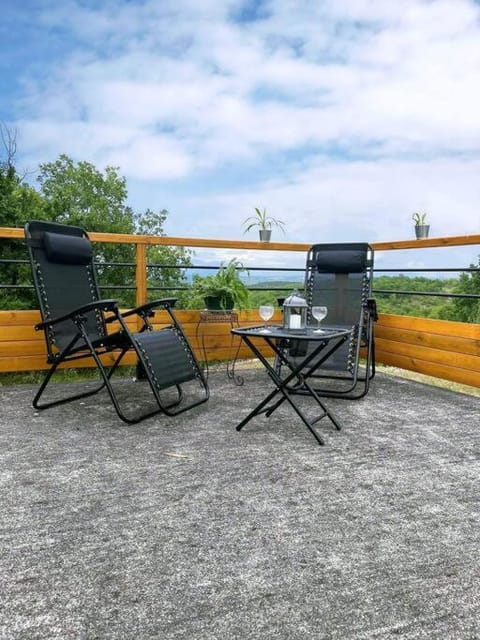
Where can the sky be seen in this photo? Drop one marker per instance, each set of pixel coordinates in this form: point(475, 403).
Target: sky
point(341, 117)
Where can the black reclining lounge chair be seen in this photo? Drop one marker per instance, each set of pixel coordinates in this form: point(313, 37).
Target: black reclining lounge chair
point(339, 276)
point(75, 323)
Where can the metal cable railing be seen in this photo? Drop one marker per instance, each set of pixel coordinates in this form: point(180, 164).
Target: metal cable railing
point(186, 286)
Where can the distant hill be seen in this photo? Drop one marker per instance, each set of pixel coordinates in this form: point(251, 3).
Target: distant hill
point(276, 284)
point(398, 294)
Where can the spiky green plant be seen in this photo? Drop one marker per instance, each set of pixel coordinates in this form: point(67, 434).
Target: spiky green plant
point(262, 221)
point(419, 218)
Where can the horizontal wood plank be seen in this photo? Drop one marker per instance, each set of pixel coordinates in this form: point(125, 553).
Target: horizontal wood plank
point(427, 354)
point(450, 241)
point(123, 238)
point(430, 325)
point(19, 333)
point(448, 343)
point(450, 349)
point(175, 241)
point(445, 372)
point(439, 348)
point(36, 363)
point(30, 347)
point(15, 318)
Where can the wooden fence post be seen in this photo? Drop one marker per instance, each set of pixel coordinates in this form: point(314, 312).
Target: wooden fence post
point(140, 276)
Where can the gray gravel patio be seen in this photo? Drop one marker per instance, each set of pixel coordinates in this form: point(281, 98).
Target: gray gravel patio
point(184, 528)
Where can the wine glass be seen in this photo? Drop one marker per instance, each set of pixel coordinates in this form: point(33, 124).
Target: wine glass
point(266, 312)
point(319, 313)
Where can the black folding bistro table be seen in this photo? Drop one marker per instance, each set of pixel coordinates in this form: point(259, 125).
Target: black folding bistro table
point(296, 374)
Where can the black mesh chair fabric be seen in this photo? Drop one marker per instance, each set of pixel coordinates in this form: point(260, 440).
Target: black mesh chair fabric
point(339, 276)
point(64, 285)
point(167, 357)
point(75, 321)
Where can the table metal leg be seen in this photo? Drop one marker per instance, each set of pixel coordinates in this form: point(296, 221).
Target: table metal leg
point(231, 375)
point(303, 373)
point(282, 387)
point(200, 339)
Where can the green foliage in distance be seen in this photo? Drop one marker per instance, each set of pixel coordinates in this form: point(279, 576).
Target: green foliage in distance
point(413, 305)
point(17, 200)
point(468, 310)
point(442, 308)
point(174, 260)
point(263, 294)
point(77, 193)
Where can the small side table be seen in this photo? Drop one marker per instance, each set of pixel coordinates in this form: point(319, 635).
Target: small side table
point(323, 345)
point(206, 317)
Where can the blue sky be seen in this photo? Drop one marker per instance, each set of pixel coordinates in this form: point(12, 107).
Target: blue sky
point(341, 117)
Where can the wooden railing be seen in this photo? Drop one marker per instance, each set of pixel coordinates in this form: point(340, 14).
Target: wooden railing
point(438, 348)
point(449, 350)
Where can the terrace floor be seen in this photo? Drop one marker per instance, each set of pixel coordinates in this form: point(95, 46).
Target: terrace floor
point(184, 528)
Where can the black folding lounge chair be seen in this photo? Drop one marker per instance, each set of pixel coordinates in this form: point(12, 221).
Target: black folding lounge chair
point(75, 321)
point(339, 276)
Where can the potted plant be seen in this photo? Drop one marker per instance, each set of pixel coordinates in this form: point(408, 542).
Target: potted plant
point(222, 291)
point(264, 224)
point(421, 228)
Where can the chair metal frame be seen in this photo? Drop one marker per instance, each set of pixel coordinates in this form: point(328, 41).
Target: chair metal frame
point(82, 332)
point(347, 269)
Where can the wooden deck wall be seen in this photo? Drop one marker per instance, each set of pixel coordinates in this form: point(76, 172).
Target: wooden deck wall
point(23, 349)
point(439, 348)
point(448, 350)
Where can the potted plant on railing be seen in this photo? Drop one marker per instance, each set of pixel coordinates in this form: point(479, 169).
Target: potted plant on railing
point(421, 227)
point(222, 291)
point(264, 224)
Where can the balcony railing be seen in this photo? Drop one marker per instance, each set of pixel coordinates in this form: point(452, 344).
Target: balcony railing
point(444, 349)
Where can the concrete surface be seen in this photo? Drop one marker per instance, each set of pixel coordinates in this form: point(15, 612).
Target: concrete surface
point(184, 528)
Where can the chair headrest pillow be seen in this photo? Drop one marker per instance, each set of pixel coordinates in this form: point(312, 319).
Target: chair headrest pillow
point(339, 261)
point(67, 249)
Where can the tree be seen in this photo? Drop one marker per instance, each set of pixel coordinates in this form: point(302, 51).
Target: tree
point(18, 203)
point(468, 309)
point(78, 193)
point(171, 276)
point(8, 138)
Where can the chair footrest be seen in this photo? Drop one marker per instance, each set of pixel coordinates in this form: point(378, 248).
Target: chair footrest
point(166, 356)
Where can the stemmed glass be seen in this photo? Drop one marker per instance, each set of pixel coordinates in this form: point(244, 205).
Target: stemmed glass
point(266, 312)
point(319, 313)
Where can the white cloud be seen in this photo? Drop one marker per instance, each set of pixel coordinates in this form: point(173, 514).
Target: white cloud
point(176, 91)
point(362, 200)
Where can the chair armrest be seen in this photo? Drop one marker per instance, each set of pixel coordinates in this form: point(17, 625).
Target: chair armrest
point(101, 305)
point(147, 308)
